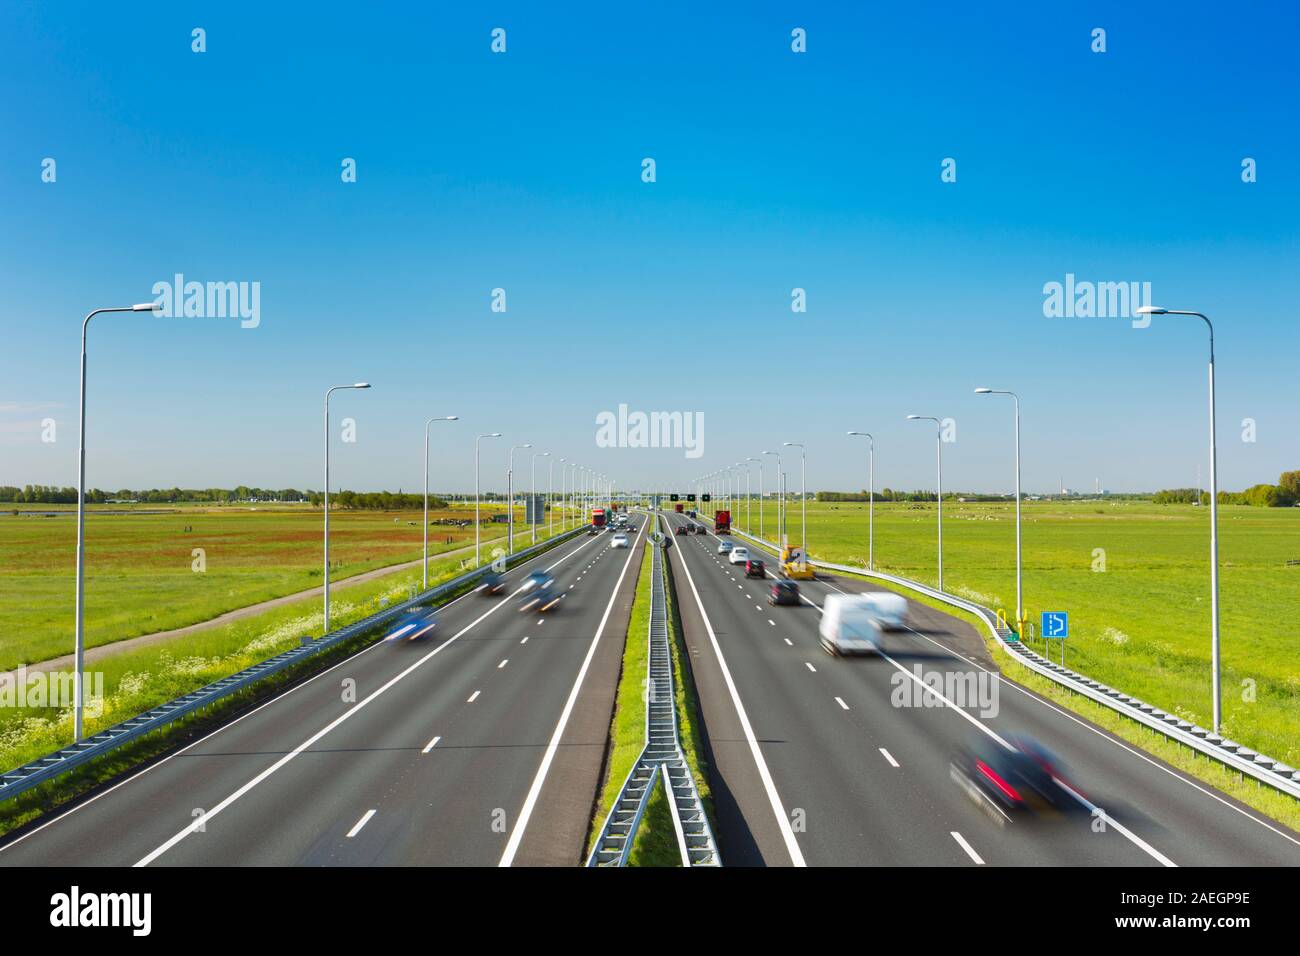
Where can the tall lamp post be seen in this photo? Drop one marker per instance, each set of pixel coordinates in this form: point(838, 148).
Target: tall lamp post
point(871, 499)
point(328, 392)
point(760, 496)
point(938, 453)
point(533, 468)
point(803, 493)
point(510, 497)
point(478, 558)
point(1215, 680)
point(445, 418)
point(78, 678)
point(780, 501)
point(1020, 613)
point(550, 496)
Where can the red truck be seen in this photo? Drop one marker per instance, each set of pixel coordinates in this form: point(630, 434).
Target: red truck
point(722, 522)
point(598, 517)
point(678, 508)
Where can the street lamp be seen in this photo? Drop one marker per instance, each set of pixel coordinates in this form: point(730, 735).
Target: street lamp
point(510, 498)
point(550, 494)
point(477, 548)
point(780, 501)
point(445, 418)
point(803, 493)
point(328, 391)
point(1216, 685)
point(533, 467)
point(1020, 613)
point(938, 452)
point(760, 498)
point(80, 632)
point(871, 500)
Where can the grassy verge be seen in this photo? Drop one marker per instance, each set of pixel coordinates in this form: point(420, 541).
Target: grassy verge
point(140, 680)
point(627, 729)
point(1272, 803)
point(656, 841)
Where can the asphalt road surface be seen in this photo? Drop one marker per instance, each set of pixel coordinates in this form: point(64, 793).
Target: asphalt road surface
point(479, 743)
point(822, 760)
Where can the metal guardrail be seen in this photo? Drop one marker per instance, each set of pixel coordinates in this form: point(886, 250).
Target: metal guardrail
point(44, 769)
point(1231, 754)
point(662, 757)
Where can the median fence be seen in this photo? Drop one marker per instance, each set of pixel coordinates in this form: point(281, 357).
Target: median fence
point(1264, 769)
point(47, 768)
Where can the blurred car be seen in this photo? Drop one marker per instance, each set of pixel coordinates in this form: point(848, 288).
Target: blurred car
point(724, 546)
point(414, 627)
point(890, 609)
point(738, 555)
point(542, 597)
point(700, 529)
point(783, 591)
point(1011, 783)
point(848, 626)
point(681, 529)
point(593, 529)
point(755, 568)
point(493, 583)
point(620, 541)
point(534, 580)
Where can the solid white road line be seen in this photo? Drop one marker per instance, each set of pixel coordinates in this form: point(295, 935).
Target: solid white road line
point(473, 697)
point(890, 757)
point(530, 801)
point(365, 818)
point(970, 850)
point(782, 819)
point(430, 745)
point(347, 714)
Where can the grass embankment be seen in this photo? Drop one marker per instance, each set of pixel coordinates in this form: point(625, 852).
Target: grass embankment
point(656, 840)
point(141, 574)
point(1143, 623)
point(139, 680)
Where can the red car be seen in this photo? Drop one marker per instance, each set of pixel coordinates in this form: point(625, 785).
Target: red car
point(754, 568)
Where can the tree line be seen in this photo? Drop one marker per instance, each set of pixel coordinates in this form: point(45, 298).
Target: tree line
point(1284, 494)
point(362, 500)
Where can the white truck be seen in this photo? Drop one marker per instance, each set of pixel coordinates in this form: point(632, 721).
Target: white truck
point(849, 625)
point(890, 609)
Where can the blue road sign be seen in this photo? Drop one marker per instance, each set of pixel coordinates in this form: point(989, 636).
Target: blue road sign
point(1056, 625)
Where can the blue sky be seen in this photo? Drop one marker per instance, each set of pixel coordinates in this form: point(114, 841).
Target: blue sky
point(775, 170)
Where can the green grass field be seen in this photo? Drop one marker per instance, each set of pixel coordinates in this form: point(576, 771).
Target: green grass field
point(1142, 624)
point(140, 575)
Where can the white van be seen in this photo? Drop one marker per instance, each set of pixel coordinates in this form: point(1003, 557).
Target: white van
point(849, 625)
point(890, 609)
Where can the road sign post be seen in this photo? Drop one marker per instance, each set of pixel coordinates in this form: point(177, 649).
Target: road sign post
point(1056, 627)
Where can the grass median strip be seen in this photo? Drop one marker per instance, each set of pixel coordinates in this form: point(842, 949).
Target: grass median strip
point(656, 841)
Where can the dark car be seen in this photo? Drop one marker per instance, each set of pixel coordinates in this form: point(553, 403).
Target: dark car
point(681, 529)
point(783, 592)
point(593, 529)
point(700, 529)
point(754, 568)
point(1010, 783)
point(493, 583)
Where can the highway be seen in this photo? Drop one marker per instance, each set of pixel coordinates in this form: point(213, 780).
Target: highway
point(481, 743)
point(834, 761)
